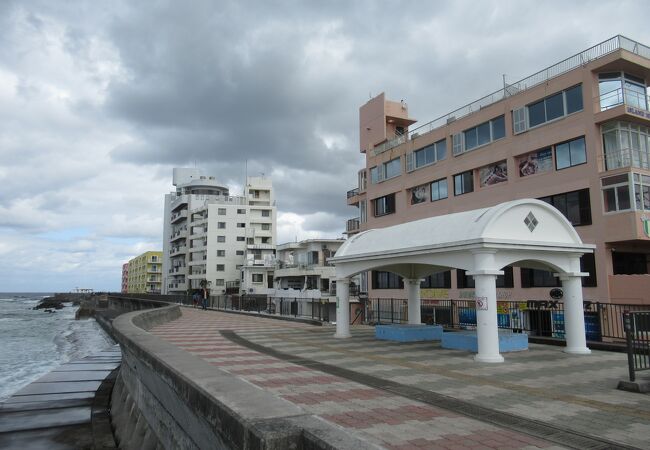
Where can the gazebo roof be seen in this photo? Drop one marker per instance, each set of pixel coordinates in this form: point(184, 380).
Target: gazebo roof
point(525, 222)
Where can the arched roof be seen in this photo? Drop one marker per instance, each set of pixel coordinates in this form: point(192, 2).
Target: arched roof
point(527, 224)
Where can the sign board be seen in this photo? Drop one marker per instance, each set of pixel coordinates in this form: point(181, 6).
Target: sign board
point(481, 303)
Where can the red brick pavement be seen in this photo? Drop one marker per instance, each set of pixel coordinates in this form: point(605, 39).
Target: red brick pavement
point(374, 415)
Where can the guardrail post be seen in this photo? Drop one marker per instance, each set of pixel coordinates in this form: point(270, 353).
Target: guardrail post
point(627, 324)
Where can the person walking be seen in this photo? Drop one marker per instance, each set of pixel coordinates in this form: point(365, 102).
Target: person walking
point(204, 302)
point(195, 299)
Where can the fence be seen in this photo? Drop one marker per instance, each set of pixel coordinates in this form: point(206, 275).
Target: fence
point(535, 317)
point(637, 332)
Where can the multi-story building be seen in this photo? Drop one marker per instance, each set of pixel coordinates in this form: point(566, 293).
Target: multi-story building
point(125, 278)
point(576, 135)
point(145, 273)
point(210, 236)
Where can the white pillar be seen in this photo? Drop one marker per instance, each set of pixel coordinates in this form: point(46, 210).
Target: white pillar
point(574, 316)
point(413, 288)
point(487, 330)
point(342, 308)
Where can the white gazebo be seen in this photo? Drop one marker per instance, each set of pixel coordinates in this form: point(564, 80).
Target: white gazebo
point(524, 233)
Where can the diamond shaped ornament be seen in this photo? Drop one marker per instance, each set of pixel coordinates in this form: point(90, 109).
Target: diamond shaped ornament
point(531, 221)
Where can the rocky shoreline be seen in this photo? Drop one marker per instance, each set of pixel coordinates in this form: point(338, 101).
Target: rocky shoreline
point(50, 304)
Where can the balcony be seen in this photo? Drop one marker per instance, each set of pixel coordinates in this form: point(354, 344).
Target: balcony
point(176, 236)
point(260, 246)
point(178, 270)
point(627, 157)
point(353, 197)
point(175, 251)
point(177, 217)
point(623, 96)
point(177, 286)
point(352, 226)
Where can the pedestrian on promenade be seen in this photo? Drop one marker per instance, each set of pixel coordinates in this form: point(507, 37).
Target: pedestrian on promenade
point(195, 299)
point(204, 302)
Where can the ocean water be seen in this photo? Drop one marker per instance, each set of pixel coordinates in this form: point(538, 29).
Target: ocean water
point(33, 342)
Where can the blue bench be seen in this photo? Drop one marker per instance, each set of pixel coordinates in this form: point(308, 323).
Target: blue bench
point(468, 341)
point(408, 333)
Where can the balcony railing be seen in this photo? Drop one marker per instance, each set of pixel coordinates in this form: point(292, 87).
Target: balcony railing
point(353, 192)
point(597, 51)
point(627, 157)
point(179, 215)
point(352, 225)
point(622, 96)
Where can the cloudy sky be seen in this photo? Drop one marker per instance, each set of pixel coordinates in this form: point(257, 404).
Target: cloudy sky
point(99, 100)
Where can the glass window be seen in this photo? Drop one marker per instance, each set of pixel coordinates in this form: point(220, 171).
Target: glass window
point(219, 282)
point(221, 267)
point(384, 205)
point(573, 99)
point(221, 238)
point(538, 278)
point(464, 183)
point(241, 225)
point(536, 114)
point(498, 128)
point(266, 226)
point(221, 253)
point(629, 263)
point(471, 139)
point(616, 193)
point(554, 107)
point(221, 225)
point(569, 154)
point(425, 156)
point(483, 132)
point(464, 281)
point(221, 211)
point(392, 168)
point(239, 252)
point(386, 280)
point(588, 264)
point(374, 175)
point(441, 150)
point(440, 280)
point(266, 213)
point(240, 238)
point(241, 211)
point(257, 277)
point(439, 190)
point(575, 206)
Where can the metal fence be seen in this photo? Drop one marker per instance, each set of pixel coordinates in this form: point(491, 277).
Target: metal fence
point(535, 317)
point(637, 332)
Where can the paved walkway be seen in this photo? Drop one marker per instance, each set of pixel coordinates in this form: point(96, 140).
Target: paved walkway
point(417, 395)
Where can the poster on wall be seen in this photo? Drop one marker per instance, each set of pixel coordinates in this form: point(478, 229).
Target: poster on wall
point(418, 194)
point(536, 162)
point(493, 174)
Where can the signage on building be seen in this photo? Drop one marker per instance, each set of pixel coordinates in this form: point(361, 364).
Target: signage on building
point(646, 225)
point(481, 303)
point(638, 112)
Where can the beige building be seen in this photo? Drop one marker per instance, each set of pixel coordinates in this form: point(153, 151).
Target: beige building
point(145, 273)
point(576, 135)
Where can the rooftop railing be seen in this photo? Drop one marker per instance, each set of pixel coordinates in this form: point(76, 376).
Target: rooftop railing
point(597, 51)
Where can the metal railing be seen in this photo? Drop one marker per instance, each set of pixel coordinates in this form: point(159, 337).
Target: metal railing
point(637, 333)
point(597, 51)
point(353, 192)
point(352, 224)
point(534, 317)
point(627, 157)
point(622, 96)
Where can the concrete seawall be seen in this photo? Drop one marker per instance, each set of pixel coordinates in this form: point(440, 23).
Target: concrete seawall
point(165, 397)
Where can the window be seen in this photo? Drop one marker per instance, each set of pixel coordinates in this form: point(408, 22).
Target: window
point(266, 226)
point(479, 135)
point(384, 205)
point(616, 193)
point(250, 241)
point(440, 280)
point(386, 280)
point(588, 264)
point(538, 278)
point(219, 282)
point(385, 171)
point(464, 281)
point(241, 225)
point(569, 154)
point(493, 174)
point(618, 87)
point(548, 109)
point(418, 194)
point(239, 252)
point(464, 183)
point(266, 213)
point(221, 253)
point(221, 225)
point(439, 190)
point(626, 144)
point(241, 238)
point(625, 263)
point(221, 211)
point(575, 206)
point(221, 267)
point(427, 155)
point(257, 277)
point(221, 238)
point(241, 211)
point(507, 279)
point(641, 191)
point(265, 240)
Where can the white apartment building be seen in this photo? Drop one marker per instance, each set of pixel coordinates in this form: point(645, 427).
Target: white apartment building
point(210, 235)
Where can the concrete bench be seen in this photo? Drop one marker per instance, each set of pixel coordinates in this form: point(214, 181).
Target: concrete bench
point(408, 333)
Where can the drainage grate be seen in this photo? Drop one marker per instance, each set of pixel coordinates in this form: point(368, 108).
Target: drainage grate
point(551, 433)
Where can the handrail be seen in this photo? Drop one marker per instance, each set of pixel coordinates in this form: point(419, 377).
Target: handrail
point(617, 42)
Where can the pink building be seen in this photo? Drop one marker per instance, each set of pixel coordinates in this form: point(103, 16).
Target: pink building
point(125, 278)
point(576, 135)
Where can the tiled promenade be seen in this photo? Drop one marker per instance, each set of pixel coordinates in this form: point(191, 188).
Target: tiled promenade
point(390, 394)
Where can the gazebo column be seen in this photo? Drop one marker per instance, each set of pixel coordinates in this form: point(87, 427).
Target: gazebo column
point(342, 308)
point(487, 329)
point(574, 316)
point(413, 288)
